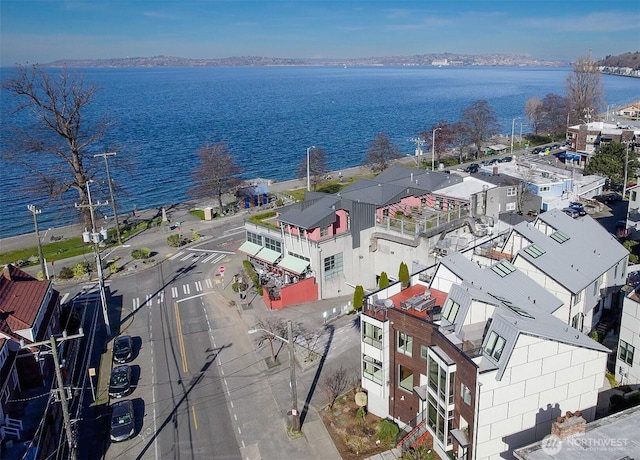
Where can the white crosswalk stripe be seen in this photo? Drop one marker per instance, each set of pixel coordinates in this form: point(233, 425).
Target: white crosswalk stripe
point(188, 256)
point(136, 303)
point(209, 283)
point(149, 299)
point(186, 289)
point(217, 259)
point(198, 286)
point(176, 255)
point(160, 297)
point(208, 258)
point(174, 292)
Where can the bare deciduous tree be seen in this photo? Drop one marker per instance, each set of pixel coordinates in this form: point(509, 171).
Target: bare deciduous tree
point(55, 143)
point(217, 172)
point(445, 137)
point(532, 109)
point(334, 383)
point(554, 111)
point(584, 90)
point(480, 123)
point(267, 330)
point(309, 338)
point(317, 167)
point(380, 153)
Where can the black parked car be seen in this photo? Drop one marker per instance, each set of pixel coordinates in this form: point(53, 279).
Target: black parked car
point(120, 383)
point(123, 421)
point(472, 168)
point(123, 349)
point(507, 159)
point(608, 197)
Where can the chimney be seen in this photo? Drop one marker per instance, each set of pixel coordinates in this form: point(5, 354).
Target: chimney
point(568, 425)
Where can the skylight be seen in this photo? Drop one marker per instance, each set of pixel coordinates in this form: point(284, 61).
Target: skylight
point(514, 308)
point(503, 268)
point(559, 237)
point(534, 251)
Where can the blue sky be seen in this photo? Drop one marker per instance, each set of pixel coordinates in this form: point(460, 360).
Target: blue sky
point(43, 31)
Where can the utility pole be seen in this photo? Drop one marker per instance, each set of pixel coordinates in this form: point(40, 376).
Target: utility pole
point(35, 211)
point(113, 200)
point(94, 237)
point(295, 414)
point(52, 343)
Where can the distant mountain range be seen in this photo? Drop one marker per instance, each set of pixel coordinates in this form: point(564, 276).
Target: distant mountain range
point(437, 60)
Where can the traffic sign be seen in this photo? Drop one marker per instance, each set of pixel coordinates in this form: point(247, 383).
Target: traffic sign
point(221, 270)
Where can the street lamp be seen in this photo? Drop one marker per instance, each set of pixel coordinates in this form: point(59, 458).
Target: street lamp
point(308, 172)
point(292, 369)
point(433, 148)
point(513, 127)
point(35, 211)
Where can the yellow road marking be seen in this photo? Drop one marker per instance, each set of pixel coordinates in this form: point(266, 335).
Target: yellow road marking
point(195, 419)
point(185, 367)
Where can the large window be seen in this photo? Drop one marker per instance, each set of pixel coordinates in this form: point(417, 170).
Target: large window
point(405, 343)
point(272, 244)
point(626, 352)
point(511, 191)
point(372, 334)
point(333, 266)
point(324, 231)
point(372, 369)
point(405, 378)
point(494, 346)
point(450, 310)
point(254, 238)
point(465, 392)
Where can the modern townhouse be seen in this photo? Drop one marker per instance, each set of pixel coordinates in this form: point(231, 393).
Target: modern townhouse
point(29, 312)
point(627, 368)
point(476, 358)
point(576, 260)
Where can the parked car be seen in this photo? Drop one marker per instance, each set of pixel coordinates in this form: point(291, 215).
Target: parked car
point(123, 421)
point(536, 150)
point(120, 382)
point(578, 207)
point(123, 349)
point(633, 279)
point(472, 168)
point(608, 197)
point(507, 159)
point(571, 212)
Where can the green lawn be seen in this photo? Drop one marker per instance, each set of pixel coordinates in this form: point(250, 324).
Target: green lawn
point(58, 250)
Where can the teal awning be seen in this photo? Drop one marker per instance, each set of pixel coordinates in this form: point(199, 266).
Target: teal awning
point(268, 255)
point(293, 264)
point(250, 248)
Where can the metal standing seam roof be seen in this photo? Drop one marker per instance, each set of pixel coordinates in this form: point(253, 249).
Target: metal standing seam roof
point(525, 310)
point(320, 211)
point(369, 191)
point(588, 253)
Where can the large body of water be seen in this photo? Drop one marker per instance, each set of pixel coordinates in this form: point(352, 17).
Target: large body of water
point(269, 116)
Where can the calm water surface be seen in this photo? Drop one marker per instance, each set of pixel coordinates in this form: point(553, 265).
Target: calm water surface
point(269, 116)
